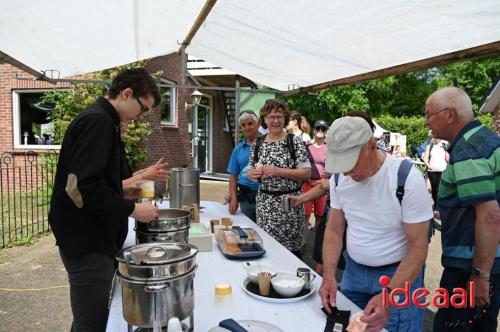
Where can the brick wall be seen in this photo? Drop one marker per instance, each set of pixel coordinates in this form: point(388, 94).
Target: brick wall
point(9, 83)
point(174, 142)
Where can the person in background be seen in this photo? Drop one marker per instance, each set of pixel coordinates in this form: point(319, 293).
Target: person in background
point(242, 190)
point(298, 127)
point(435, 159)
point(279, 161)
point(317, 158)
point(468, 202)
point(87, 205)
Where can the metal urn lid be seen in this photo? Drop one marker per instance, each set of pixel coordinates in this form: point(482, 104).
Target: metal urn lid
point(157, 253)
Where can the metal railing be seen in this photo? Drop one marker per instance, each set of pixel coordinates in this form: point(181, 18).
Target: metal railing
point(26, 183)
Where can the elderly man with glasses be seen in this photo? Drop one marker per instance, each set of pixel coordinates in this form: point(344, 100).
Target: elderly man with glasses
point(468, 202)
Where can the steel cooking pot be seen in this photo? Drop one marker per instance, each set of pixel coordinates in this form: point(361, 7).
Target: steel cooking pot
point(184, 186)
point(146, 303)
point(156, 261)
point(169, 220)
point(181, 236)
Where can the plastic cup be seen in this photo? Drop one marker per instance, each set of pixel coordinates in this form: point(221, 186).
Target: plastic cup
point(147, 189)
point(264, 279)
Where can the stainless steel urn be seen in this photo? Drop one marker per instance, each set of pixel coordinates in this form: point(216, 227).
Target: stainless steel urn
point(157, 282)
point(184, 187)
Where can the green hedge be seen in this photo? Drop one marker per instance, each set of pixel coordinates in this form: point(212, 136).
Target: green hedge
point(415, 129)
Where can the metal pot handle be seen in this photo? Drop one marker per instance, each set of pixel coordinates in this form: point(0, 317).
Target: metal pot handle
point(187, 184)
point(155, 288)
point(148, 253)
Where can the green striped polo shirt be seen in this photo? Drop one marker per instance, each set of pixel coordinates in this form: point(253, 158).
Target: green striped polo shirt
point(472, 176)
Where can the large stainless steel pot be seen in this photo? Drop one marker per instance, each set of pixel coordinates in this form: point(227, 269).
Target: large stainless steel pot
point(156, 261)
point(146, 304)
point(169, 220)
point(184, 187)
point(178, 236)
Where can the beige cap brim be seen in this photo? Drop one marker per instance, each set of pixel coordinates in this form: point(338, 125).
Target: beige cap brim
point(341, 162)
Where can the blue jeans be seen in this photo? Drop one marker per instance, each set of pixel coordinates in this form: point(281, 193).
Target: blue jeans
point(359, 284)
point(248, 209)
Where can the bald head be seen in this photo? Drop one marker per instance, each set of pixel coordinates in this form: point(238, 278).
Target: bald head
point(455, 98)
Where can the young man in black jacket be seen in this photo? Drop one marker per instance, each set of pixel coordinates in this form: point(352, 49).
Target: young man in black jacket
point(88, 204)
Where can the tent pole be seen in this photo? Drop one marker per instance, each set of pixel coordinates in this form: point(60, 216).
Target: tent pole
point(199, 21)
point(237, 112)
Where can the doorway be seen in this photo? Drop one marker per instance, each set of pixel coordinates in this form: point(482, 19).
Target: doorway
point(205, 134)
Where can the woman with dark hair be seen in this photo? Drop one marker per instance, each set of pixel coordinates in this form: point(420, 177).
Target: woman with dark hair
point(299, 126)
point(279, 162)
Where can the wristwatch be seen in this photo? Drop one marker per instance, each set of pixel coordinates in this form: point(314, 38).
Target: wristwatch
point(476, 272)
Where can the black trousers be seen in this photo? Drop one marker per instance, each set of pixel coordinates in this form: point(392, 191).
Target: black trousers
point(434, 178)
point(478, 319)
point(90, 277)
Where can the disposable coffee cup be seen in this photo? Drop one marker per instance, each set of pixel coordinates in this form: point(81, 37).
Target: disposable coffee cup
point(264, 279)
point(147, 189)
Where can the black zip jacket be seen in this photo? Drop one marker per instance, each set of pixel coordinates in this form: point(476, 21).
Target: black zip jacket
point(87, 206)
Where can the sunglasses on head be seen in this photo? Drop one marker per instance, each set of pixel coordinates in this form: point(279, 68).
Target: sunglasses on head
point(323, 129)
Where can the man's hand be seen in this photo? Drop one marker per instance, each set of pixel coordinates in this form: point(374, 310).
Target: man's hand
point(233, 206)
point(156, 172)
point(328, 293)
point(376, 315)
point(482, 289)
point(145, 212)
point(132, 191)
point(295, 201)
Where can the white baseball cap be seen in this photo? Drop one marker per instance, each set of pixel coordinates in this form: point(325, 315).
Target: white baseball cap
point(344, 140)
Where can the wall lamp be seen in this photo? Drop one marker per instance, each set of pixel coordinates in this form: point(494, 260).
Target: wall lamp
point(195, 98)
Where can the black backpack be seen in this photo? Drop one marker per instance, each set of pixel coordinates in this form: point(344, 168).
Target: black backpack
point(289, 144)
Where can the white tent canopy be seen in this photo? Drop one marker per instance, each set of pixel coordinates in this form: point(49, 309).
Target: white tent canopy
point(279, 43)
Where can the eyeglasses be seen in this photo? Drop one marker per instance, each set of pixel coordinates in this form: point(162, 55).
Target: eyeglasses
point(323, 129)
point(144, 109)
point(275, 118)
point(428, 116)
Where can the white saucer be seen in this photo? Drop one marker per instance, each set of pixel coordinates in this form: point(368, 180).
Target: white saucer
point(275, 300)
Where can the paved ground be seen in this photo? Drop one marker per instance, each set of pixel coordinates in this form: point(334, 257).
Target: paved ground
point(33, 285)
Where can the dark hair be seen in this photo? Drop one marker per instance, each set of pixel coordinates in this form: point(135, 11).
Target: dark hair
point(363, 115)
point(139, 80)
point(272, 105)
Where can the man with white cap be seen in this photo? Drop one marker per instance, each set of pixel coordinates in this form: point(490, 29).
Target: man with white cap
point(385, 237)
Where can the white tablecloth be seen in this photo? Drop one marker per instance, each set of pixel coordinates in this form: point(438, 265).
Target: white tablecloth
point(214, 268)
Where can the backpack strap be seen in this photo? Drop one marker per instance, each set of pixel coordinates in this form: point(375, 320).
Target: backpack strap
point(403, 171)
point(291, 148)
point(258, 143)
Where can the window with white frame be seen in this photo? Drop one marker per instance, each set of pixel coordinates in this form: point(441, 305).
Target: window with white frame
point(168, 106)
point(31, 123)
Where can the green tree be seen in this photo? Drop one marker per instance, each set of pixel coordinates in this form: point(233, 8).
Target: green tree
point(69, 103)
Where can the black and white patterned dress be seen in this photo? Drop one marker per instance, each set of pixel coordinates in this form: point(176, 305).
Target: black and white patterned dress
point(286, 227)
